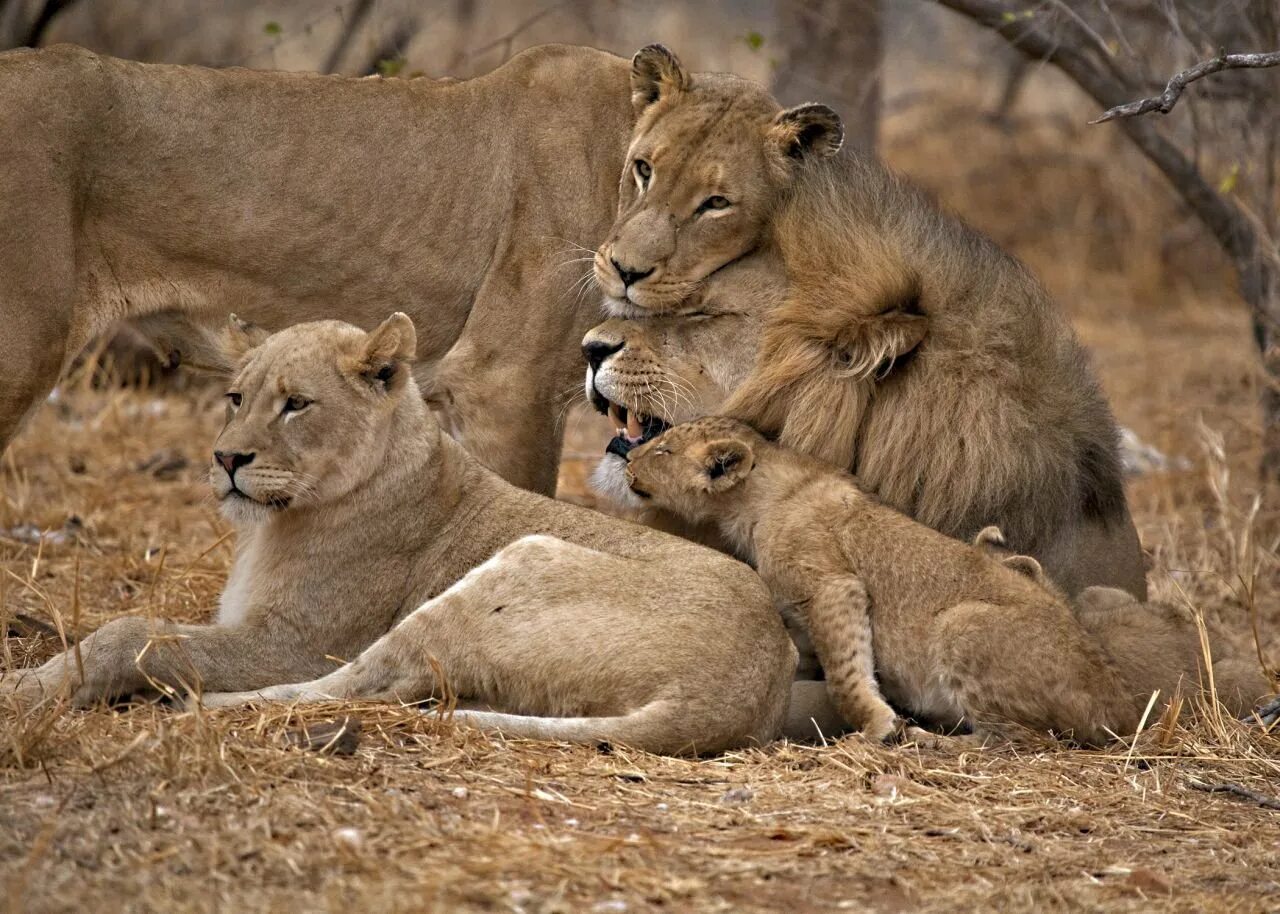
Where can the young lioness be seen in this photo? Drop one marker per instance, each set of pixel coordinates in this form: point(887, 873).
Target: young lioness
point(367, 534)
point(950, 632)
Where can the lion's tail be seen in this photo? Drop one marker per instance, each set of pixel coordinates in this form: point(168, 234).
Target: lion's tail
point(660, 726)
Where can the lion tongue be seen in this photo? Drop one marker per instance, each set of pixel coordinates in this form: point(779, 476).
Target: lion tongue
point(635, 431)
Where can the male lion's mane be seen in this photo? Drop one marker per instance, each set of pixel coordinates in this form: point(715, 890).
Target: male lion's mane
point(914, 351)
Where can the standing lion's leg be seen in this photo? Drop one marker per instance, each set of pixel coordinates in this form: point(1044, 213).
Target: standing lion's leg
point(504, 417)
point(36, 300)
point(839, 620)
point(504, 386)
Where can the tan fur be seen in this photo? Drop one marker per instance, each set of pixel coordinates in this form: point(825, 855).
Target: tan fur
point(1158, 646)
point(903, 345)
point(955, 635)
point(173, 195)
point(701, 139)
point(368, 534)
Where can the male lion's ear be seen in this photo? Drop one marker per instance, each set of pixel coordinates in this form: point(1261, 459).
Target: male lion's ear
point(871, 347)
point(386, 351)
point(806, 131)
point(655, 74)
point(725, 463)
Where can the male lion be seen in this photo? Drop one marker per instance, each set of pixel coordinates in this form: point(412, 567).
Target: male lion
point(367, 533)
point(175, 195)
point(951, 633)
point(902, 345)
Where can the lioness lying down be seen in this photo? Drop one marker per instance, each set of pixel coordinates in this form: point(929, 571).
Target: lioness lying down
point(902, 345)
point(367, 534)
point(951, 634)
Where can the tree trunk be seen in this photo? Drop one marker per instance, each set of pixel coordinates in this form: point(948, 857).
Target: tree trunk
point(831, 51)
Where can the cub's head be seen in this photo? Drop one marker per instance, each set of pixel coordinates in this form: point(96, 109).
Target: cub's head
point(694, 469)
point(709, 156)
point(309, 413)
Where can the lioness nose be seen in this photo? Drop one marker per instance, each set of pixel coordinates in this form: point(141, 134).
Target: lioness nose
point(629, 277)
point(232, 462)
point(597, 351)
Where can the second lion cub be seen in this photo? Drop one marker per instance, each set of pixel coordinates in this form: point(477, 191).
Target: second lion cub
point(950, 633)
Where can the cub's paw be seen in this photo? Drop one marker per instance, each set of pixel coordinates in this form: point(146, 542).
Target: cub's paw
point(880, 726)
point(928, 739)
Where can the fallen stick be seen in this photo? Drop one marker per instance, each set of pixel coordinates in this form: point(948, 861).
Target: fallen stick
point(1253, 796)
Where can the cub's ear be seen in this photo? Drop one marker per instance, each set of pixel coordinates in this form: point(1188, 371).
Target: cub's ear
point(725, 463)
point(808, 131)
point(655, 74)
point(386, 352)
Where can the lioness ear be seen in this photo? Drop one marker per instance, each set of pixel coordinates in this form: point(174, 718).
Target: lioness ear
point(655, 74)
point(806, 131)
point(387, 350)
point(725, 463)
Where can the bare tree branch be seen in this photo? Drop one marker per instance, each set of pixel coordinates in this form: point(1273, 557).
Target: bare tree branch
point(1222, 217)
point(351, 24)
point(48, 12)
point(1165, 101)
point(1238, 790)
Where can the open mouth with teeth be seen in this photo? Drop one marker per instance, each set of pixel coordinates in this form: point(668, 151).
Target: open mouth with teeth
point(633, 428)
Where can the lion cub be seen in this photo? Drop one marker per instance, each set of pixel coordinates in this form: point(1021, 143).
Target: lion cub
point(951, 634)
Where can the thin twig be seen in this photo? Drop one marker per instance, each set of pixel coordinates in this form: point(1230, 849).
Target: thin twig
point(1253, 796)
point(1165, 101)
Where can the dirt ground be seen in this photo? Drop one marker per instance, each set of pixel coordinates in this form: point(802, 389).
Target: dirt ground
point(103, 513)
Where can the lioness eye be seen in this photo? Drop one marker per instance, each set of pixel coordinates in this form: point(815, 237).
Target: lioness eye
point(234, 399)
point(713, 202)
point(295, 404)
point(644, 171)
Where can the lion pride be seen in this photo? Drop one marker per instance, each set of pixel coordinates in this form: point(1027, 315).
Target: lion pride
point(902, 344)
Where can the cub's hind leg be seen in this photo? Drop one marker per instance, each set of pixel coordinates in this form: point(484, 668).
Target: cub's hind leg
point(1032, 665)
point(838, 615)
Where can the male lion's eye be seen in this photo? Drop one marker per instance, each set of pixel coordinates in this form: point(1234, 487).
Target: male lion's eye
point(234, 399)
point(295, 404)
point(715, 201)
point(644, 171)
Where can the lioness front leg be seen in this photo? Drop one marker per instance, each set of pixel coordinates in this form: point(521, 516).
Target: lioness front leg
point(839, 620)
point(401, 666)
point(128, 655)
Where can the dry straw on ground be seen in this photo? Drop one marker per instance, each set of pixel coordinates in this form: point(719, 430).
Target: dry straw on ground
point(103, 513)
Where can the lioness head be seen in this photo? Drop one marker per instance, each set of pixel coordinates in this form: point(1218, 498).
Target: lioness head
point(308, 413)
point(692, 468)
point(708, 158)
point(650, 373)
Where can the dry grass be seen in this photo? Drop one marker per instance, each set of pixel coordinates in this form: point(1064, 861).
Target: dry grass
point(148, 808)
